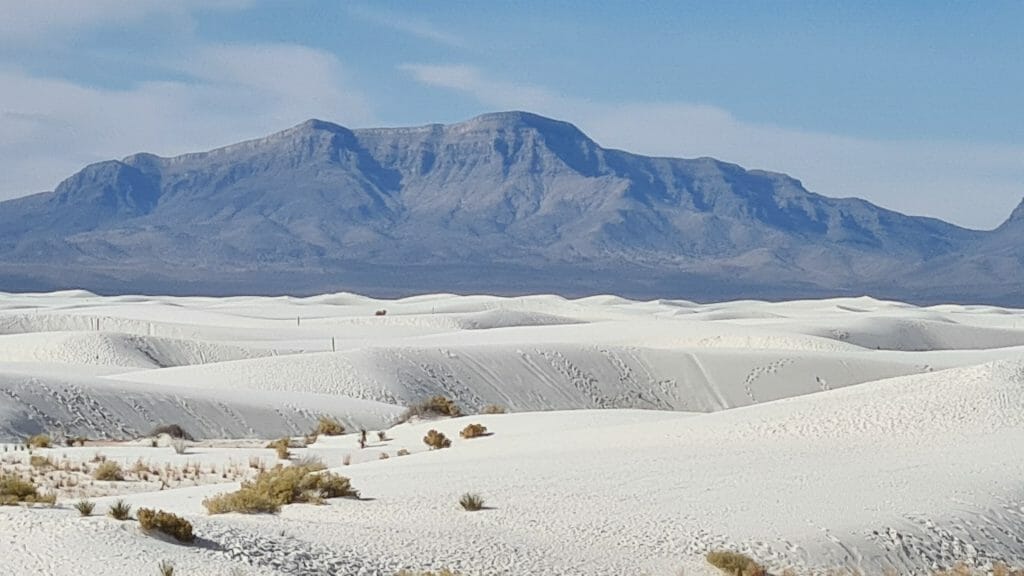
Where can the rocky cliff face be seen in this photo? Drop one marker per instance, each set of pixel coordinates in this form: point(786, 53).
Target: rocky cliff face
point(504, 202)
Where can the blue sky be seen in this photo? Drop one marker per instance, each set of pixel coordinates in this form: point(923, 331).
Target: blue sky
point(912, 105)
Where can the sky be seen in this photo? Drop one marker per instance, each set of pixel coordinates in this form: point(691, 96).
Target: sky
point(912, 105)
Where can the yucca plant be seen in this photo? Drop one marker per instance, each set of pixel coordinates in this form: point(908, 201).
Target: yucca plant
point(121, 510)
point(85, 507)
point(165, 568)
point(471, 502)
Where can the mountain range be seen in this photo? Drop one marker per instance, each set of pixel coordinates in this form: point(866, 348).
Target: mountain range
point(504, 203)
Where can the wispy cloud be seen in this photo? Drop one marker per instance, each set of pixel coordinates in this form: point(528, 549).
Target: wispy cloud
point(944, 179)
point(406, 24)
point(51, 127)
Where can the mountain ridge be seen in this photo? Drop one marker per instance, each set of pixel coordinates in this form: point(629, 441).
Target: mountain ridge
point(508, 191)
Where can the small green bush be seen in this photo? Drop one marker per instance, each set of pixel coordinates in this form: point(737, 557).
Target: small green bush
point(473, 431)
point(329, 427)
point(121, 510)
point(280, 486)
point(85, 507)
point(436, 440)
point(109, 470)
point(471, 502)
point(39, 441)
point(734, 563)
point(170, 524)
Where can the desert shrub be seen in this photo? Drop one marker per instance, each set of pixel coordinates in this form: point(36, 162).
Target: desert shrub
point(436, 440)
point(383, 456)
point(14, 490)
point(329, 427)
point(280, 486)
point(85, 507)
point(39, 441)
point(42, 462)
point(473, 431)
point(402, 452)
point(492, 409)
point(109, 470)
point(170, 524)
point(471, 502)
point(382, 436)
point(734, 563)
point(121, 510)
point(172, 430)
point(165, 568)
point(281, 446)
point(434, 406)
point(442, 572)
point(178, 445)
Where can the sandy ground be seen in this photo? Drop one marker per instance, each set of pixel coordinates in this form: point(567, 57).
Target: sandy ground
point(811, 435)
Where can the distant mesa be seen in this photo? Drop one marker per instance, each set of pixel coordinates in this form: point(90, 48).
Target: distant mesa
point(506, 203)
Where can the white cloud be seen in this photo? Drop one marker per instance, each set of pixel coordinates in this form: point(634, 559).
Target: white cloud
point(27, 21)
point(407, 25)
point(50, 128)
point(975, 185)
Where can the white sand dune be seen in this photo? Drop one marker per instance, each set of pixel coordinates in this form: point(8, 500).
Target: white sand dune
point(100, 408)
point(849, 433)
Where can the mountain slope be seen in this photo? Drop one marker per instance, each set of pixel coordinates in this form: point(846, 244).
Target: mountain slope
point(505, 202)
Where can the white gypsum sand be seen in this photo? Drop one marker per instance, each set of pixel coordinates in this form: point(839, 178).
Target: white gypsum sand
point(847, 433)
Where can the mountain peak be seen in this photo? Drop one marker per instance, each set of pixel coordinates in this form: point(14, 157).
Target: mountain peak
point(1016, 219)
point(520, 119)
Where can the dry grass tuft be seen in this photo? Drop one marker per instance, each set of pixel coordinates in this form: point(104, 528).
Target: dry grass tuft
point(492, 409)
point(109, 470)
point(14, 490)
point(281, 446)
point(329, 427)
point(170, 524)
point(434, 406)
point(735, 564)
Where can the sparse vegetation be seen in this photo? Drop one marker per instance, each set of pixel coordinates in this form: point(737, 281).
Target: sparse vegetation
point(281, 446)
point(442, 572)
point(402, 452)
point(734, 563)
point(434, 406)
point(473, 431)
point(40, 462)
point(492, 409)
point(14, 490)
point(85, 507)
point(109, 470)
point(178, 445)
point(280, 486)
point(329, 427)
point(436, 440)
point(471, 502)
point(39, 441)
point(121, 510)
point(382, 436)
point(167, 523)
point(166, 568)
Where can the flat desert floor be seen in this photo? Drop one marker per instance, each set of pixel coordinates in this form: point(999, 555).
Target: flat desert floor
point(814, 436)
